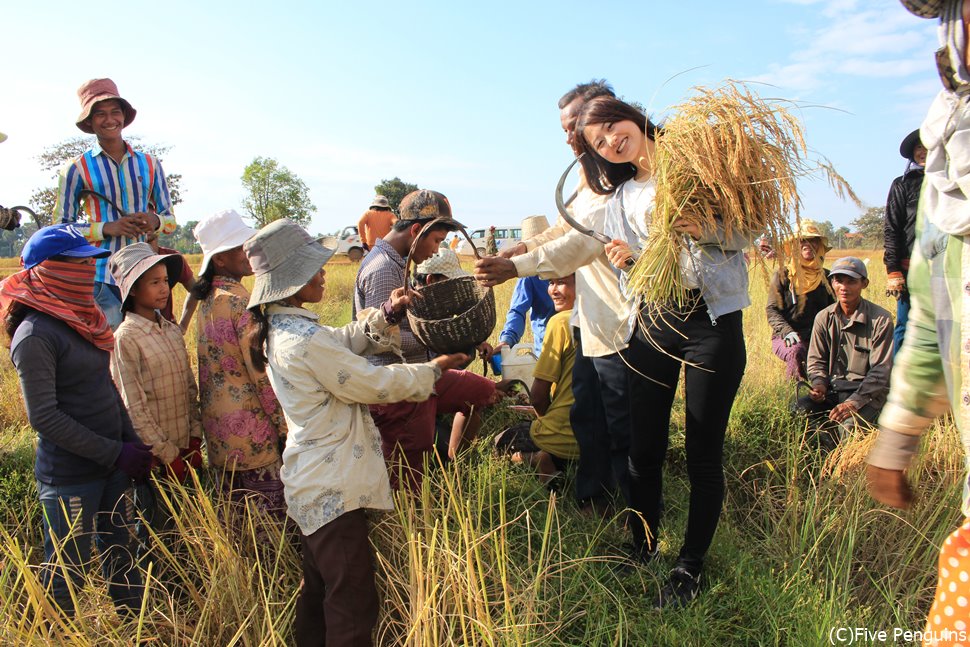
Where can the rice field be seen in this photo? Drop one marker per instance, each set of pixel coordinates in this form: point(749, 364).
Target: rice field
point(486, 556)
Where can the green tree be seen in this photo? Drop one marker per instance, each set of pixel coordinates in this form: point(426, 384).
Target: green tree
point(871, 226)
point(839, 240)
point(43, 199)
point(274, 192)
point(182, 239)
point(827, 228)
point(394, 190)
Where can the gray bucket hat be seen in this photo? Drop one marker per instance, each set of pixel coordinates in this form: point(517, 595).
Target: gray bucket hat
point(284, 258)
point(130, 262)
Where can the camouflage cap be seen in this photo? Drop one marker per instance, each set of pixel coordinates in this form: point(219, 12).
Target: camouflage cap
point(424, 204)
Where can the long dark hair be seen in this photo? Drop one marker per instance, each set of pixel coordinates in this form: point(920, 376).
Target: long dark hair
point(257, 341)
point(15, 316)
point(203, 285)
point(602, 176)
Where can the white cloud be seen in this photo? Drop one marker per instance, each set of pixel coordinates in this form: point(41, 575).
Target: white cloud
point(854, 39)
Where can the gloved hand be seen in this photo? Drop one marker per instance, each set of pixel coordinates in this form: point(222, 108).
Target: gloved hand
point(791, 339)
point(9, 219)
point(177, 470)
point(135, 460)
point(193, 454)
point(895, 285)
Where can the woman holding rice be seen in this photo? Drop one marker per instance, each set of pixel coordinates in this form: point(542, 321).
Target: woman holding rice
point(702, 331)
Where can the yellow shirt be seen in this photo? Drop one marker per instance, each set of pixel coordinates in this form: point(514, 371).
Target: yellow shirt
point(552, 432)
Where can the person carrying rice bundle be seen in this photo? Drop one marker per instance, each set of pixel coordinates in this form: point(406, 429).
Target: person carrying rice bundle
point(703, 331)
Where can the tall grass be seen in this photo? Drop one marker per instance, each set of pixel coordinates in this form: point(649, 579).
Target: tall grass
point(484, 555)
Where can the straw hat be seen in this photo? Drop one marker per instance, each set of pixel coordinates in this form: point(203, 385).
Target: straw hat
point(379, 201)
point(445, 262)
point(219, 233)
point(130, 262)
point(533, 226)
point(284, 258)
point(810, 229)
point(100, 90)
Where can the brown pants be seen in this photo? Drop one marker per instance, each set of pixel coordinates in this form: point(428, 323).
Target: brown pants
point(338, 604)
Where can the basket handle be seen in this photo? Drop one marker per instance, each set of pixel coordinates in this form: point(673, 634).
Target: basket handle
point(428, 225)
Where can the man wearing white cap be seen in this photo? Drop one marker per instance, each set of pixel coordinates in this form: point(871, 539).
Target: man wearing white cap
point(376, 221)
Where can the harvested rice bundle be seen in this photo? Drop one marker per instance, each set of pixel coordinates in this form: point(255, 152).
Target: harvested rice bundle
point(727, 157)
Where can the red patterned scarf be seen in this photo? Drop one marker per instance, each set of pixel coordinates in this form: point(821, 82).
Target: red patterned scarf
point(64, 291)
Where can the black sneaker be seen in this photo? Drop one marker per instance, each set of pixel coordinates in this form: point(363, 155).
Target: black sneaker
point(681, 588)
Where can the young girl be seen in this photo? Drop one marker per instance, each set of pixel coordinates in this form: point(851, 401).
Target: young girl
point(333, 467)
point(151, 366)
point(705, 337)
point(87, 452)
point(241, 416)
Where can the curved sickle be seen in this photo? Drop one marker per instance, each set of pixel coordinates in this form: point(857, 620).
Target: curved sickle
point(561, 205)
point(101, 196)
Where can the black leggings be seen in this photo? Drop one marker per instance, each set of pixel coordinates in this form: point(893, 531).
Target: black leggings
point(716, 356)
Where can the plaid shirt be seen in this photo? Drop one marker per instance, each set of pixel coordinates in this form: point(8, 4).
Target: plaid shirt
point(132, 184)
point(381, 272)
point(151, 368)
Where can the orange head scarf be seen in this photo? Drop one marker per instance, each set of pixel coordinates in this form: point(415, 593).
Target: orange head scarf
point(64, 291)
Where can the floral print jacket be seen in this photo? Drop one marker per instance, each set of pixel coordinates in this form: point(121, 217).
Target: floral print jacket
point(333, 462)
point(242, 419)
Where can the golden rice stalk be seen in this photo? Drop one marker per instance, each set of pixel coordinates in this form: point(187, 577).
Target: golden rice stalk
point(726, 159)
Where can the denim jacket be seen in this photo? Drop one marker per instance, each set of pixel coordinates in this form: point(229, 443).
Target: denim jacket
point(714, 264)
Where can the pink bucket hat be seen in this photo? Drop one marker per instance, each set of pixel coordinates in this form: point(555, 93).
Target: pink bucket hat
point(100, 90)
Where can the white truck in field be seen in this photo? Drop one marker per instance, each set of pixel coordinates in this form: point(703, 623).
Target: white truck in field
point(349, 243)
point(504, 237)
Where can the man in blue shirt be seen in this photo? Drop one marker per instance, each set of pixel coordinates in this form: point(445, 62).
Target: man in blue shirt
point(531, 293)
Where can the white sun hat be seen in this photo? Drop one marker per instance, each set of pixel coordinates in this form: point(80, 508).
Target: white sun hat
point(221, 232)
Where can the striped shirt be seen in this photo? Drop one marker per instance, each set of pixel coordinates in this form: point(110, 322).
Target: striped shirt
point(132, 185)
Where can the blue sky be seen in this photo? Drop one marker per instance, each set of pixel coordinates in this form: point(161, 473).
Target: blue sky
point(457, 97)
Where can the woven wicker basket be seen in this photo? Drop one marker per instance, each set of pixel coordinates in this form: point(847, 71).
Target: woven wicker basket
point(453, 315)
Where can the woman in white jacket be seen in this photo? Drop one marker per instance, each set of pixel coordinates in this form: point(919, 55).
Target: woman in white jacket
point(333, 468)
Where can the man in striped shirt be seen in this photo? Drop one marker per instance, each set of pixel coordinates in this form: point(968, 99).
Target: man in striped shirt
point(135, 200)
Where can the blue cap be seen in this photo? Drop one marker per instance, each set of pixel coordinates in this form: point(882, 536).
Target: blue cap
point(63, 240)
